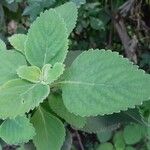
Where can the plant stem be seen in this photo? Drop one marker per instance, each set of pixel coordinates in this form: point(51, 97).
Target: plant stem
point(79, 140)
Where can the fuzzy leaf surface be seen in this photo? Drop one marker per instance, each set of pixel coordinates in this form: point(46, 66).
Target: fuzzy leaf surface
point(50, 74)
point(102, 82)
point(69, 13)
point(20, 96)
point(2, 45)
point(10, 62)
point(16, 131)
point(30, 73)
point(18, 41)
point(111, 122)
point(56, 104)
point(51, 43)
point(50, 132)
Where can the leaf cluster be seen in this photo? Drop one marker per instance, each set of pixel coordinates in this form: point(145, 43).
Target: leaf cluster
point(38, 93)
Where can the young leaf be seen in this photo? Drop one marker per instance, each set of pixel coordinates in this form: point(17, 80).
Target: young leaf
point(20, 96)
point(30, 73)
point(69, 13)
point(102, 82)
point(50, 74)
point(47, 40)
point(2, 45)
point(50, 132)
point(16, 131)
point(18, 41)
point(56, 103)
point(10, 61)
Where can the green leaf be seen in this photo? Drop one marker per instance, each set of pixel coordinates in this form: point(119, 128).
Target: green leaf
point(21, 148)
point(27, 146)
point(51, 43)
point(148, 145)
point(102, 82)
point(33, 10)
point(16, 131)
point(10, 1)
point(100, 124)
point(130, 148)
point(107, 123)
point(78, 2)
point(97, 24)
point(118, 141)
point(13, 7)
point(30, 73)
point(10, 62)
point(56, 104)
point(50, 74)
point(69, 13)
point(133, 133)
point(35, 7)
point(104, 136)
point(20, 96)
point(2, 45)
point(105, 146)
point(50, 132)
point(71, 56)
point(18, 41)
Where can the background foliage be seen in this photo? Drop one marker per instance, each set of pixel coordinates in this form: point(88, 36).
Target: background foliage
point(119, 25)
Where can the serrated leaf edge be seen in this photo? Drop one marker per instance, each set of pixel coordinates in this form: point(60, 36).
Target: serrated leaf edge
point(37, 20)
point(58, 120)
point(126, 60)
point(25, 140)
point(32, 108)
point(75, 16)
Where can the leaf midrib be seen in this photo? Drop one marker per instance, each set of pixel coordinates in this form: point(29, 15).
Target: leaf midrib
point(44, 122)
point(88, 83)
point(32, 87)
